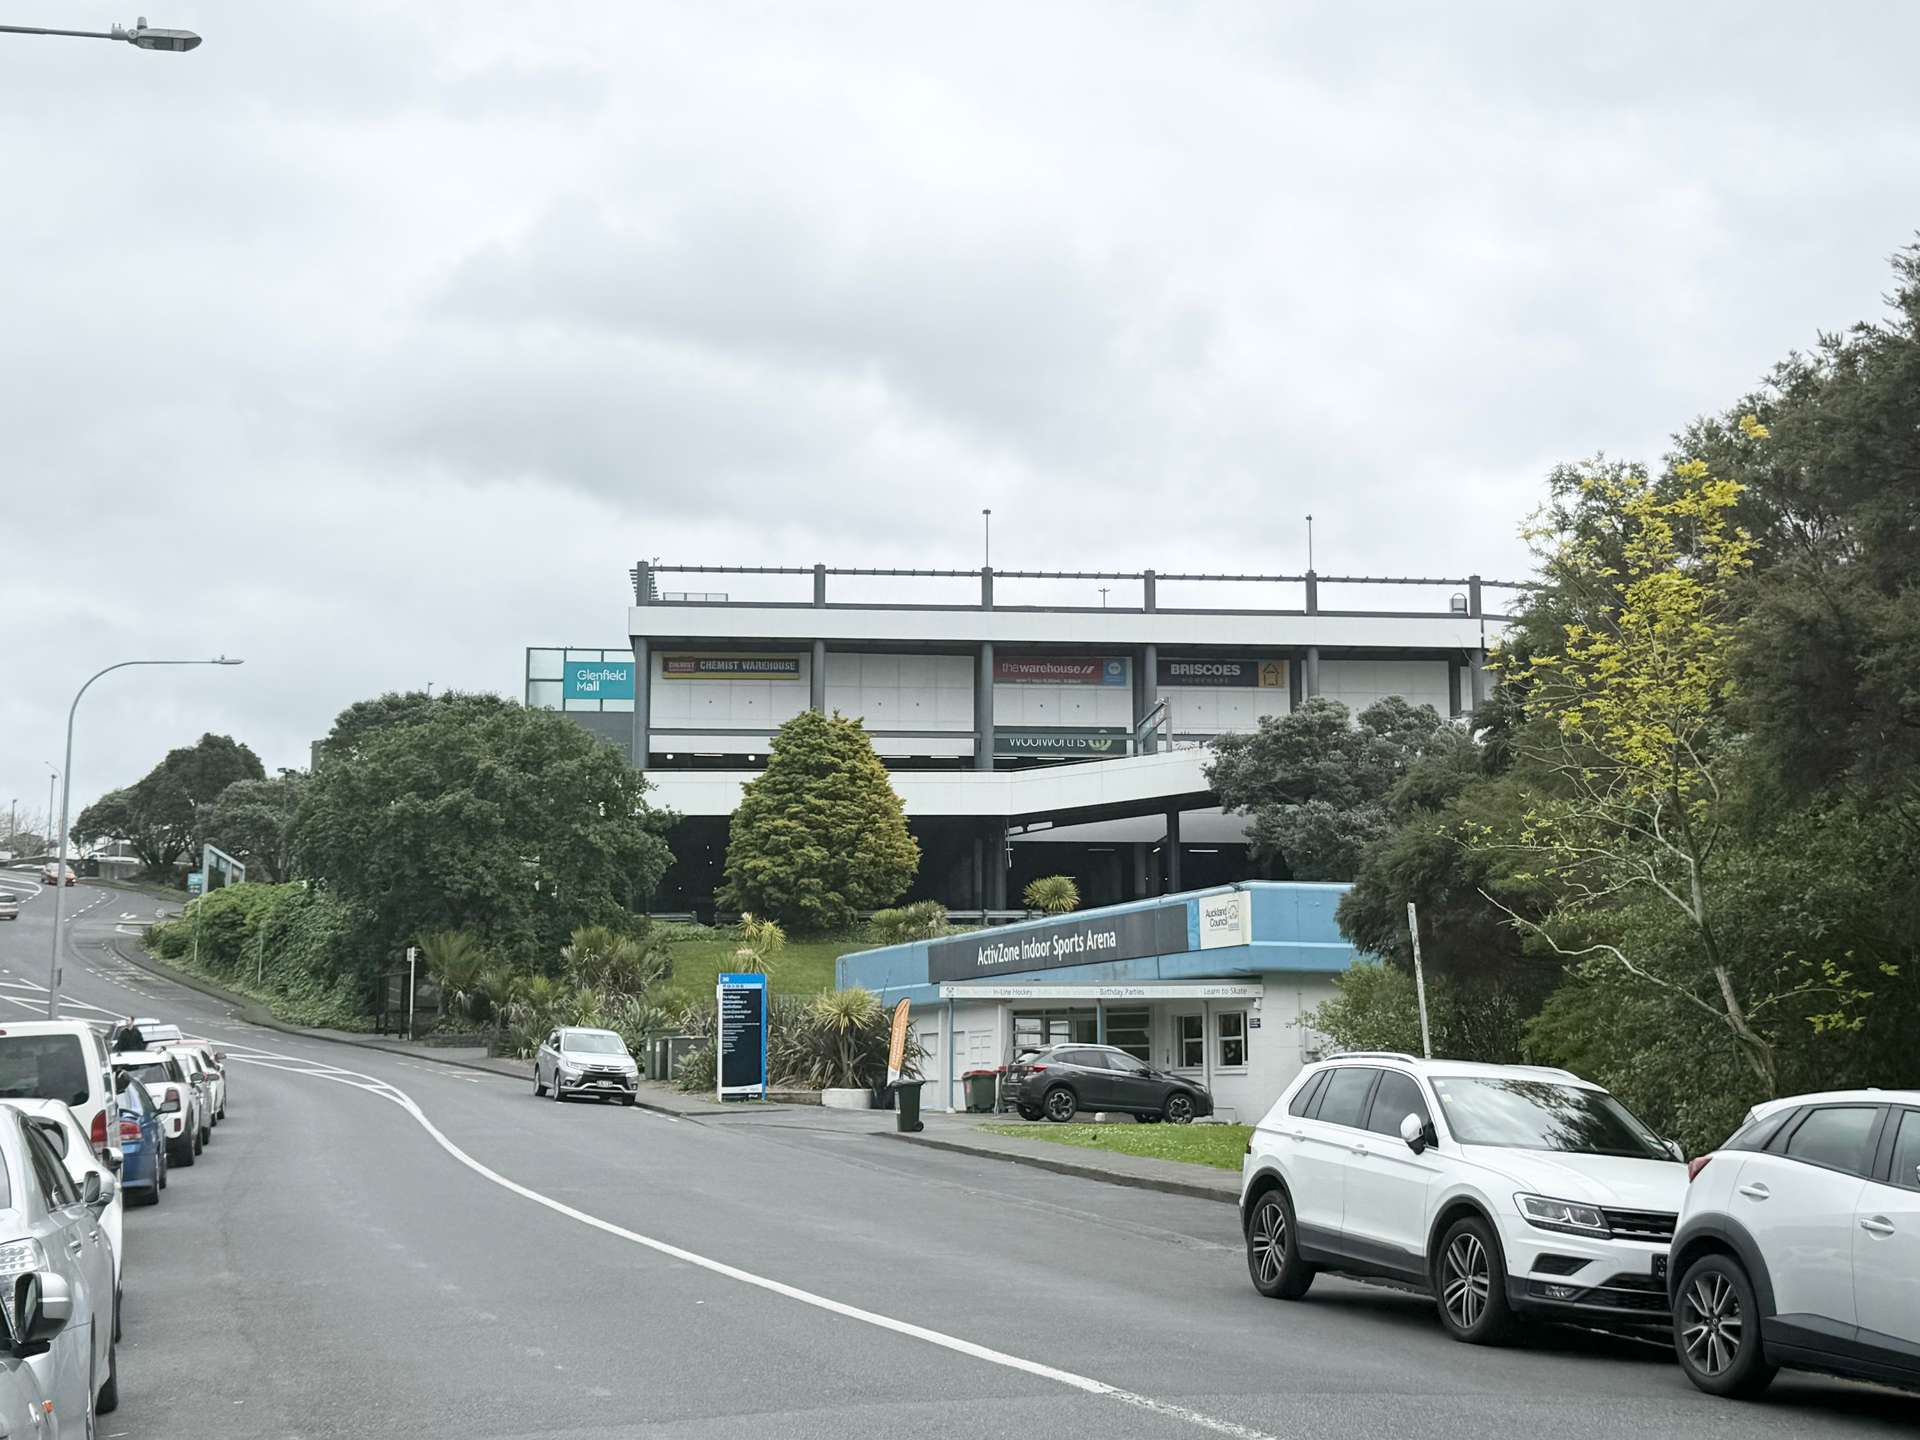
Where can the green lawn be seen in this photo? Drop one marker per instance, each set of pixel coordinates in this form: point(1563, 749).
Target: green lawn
point(1220, 1146)
point(805, 967)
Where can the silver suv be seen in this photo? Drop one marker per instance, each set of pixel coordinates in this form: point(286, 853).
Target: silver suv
point(577, 1061)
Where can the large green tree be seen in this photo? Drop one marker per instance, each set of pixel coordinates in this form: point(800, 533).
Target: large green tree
point(252, 820)
point(820, 833)
point(1314, 783)
point(164, 814)
point(516, 825)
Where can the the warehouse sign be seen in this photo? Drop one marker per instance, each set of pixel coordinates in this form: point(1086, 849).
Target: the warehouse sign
point(1126, 936)
point(1091, 743)
point(598, 680)
point(729, 667)
point(1058, 670)
point(1226, 674)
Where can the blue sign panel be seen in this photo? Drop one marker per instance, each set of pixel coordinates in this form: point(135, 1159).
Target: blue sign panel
point(740, 1066)
point(598, 680)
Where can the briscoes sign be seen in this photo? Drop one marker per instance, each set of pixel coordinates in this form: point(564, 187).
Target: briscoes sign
point(1125, 936)
point(598, 680)
point(729, 667)
point(1059, 670)
point(1225, 674)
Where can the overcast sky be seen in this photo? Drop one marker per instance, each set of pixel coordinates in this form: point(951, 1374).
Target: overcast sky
point(374, 342)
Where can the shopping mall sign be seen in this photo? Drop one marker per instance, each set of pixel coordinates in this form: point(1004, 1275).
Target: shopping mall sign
point(1059, 670)
point(1225, 674)
point(729, 667)
point(597, 680)
point(1091, 742)
point(1127, 935)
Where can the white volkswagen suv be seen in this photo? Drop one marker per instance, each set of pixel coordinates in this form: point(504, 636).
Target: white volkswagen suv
point(1799, 1245)
point(1498, 1189)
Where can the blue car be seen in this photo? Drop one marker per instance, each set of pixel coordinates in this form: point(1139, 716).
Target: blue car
point(143, 1149)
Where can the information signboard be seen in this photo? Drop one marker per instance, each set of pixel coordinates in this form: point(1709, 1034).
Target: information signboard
point(741, 1065)
point(1127, 935)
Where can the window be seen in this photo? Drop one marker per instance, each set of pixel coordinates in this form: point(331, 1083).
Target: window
point(1906, 1152)
point(1132, 1031)
point(1230, 1028)
point(1303, 1098)
point(1124, 1063)
point(1834, 1136)
point(1397, 1097)
point(56, 1189)
point(44, 1067)
point(1756, 1135)
point(1190, 1042)
point(1345, 1100)
point(1085, 1059)
point(1543, 1115)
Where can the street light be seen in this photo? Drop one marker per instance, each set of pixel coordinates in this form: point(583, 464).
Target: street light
point(66, 796)
point(142, 35)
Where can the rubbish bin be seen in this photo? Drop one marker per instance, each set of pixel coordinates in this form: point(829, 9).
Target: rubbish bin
point(982, 1086)
point(907, 1119)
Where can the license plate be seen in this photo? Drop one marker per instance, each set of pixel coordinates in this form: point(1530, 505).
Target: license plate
point(1660, 1267)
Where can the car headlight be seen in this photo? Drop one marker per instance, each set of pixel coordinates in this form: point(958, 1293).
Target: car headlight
point(569, 1074)
point(1567, 1215)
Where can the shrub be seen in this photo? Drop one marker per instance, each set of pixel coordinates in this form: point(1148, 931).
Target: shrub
point(1053, 895)
point(604, 960)
point(922, 920)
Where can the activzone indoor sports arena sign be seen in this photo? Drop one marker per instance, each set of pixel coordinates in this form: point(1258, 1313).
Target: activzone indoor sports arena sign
point(1126, 936)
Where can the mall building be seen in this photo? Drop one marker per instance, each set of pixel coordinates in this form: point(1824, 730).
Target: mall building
point(1029, 732)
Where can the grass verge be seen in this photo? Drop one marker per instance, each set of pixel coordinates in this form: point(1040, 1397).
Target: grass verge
point(805, 967)
point(1220, 1146)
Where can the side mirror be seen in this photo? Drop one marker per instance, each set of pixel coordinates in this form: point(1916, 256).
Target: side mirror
point(109, 1187)
point(113, 1159)
point(90, 1191)
point(42, 1306)
point(1673, 1149)
point(1413, 1130)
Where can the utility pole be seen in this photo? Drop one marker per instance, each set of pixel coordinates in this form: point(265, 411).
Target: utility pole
point(1419, 980)
point(1309, 544)
point(413, 954)
point(987, 554)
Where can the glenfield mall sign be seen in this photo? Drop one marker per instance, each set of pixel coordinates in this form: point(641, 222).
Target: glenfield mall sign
point(1126, 936)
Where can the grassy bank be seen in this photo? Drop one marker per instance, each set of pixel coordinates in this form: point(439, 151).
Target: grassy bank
point(803, 968)
point(1220, 1146)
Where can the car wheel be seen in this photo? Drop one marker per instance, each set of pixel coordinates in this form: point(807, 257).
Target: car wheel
point(1179, 1108)
point(116, 1323)
point(1060, 1106)
point(558, 1093)
point(1273, 1250)
point(187, 1151)
point(1470, 1284)
point(198, 1143)
point(160, 1178)
point(630, 1101)
point(1030, 1112)
point(1716, 1329)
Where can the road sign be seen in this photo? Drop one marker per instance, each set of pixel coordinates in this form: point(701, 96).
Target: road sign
point(740, 1066)
point(196, 882)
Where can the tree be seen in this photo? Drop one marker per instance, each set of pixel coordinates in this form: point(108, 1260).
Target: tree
point(614, 964)
point(820, 833)
point(1053, 895)
point(455, 959)
point(1315, 782)
point(163, 815)
point(514, 824)
point(360, 721)
point(1629, 731)
point(253, 821)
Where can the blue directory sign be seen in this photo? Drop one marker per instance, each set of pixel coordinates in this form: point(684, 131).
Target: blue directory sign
point(740, 1066)
point(597, 680)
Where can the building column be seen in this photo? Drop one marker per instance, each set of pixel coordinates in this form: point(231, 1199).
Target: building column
point(1139, 855)
point(1173, 851)
point(1313, 671)
point(983, 708)
point(817, 679)
point(642, 749)
point(1149, 691)
point(979, 872)
point(1477, 673)
point(997, 865)
point(1453, 688)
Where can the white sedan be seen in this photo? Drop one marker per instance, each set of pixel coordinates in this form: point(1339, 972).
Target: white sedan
point(55, 1120)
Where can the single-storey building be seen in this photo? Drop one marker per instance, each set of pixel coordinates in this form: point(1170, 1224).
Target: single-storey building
point(1210, 983)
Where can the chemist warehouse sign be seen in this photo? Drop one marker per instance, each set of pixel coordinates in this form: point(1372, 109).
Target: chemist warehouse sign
point(1126, 936)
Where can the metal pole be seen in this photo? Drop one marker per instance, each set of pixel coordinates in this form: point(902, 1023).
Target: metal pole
point(1309, 544)
point(1419, 980)
point(986, 557)
point(76, 34)
point(413, 954)
point(66, 799)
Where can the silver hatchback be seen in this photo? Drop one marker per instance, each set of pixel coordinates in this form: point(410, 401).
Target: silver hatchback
point(577, 1061)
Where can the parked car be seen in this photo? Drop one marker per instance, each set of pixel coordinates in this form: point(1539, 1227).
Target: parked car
point(22, 1400)
point(156, 1033)
point(199, 1076)
point(1062, 1080)
point(1799, 1245)
point(9, 905)
point(62, 1060)
point(50, 1236)
point(1501, 1190)
point(577, 1061)
point(212, 1071)
point(62, 1131)
point(50, 875)
point(143, 1143)
point(179, 1100)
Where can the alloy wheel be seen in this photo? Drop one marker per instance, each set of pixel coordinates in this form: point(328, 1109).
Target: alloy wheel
point(1269, 1240)
point(1468, 1280)
point(1060, 1106)
point(1710, 1324)
point(1179, 1109)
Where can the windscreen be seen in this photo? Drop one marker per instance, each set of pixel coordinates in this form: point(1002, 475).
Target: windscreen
point(149, 1074)
point(594, 1044)
point(1543, 1115)
point(43, 1067)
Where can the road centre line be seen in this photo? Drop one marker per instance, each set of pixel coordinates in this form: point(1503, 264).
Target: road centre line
point(1083, 1383)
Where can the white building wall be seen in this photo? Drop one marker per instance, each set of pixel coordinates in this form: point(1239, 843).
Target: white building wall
point(903, 692)
point(1359, 683)
point(727, 703)
point(1219, 709)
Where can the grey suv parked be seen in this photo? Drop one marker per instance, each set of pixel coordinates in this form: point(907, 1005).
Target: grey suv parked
point(1062, 1080)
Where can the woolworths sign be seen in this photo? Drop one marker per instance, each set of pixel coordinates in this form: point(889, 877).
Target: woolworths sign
point(1126, 936)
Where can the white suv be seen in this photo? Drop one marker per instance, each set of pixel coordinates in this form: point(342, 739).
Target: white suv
point(1498, 1189)
point(1799, 1245)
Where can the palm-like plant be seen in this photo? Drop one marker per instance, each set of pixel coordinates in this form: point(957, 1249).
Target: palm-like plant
point(496, 986)
point(846, 1023)
point(455, 959)
point(1053, 895)
point(761, 941)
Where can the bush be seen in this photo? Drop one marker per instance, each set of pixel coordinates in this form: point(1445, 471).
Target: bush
point(1377, 1007)
point(292, 939)
point(1053, 895)
point(922, 920)
point(604, 960)
point(838, 1040)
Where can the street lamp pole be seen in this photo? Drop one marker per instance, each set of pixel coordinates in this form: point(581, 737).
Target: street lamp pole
point(53, 779)
point(66, 798)
point(143, 36)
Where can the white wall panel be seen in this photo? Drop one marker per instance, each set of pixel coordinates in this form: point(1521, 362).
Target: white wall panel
point(1359, 683)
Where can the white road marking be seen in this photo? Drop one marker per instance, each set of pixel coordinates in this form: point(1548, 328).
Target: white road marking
point(1085, 1384)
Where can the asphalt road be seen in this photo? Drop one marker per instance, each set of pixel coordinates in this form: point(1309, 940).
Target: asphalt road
point(380, 1246)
